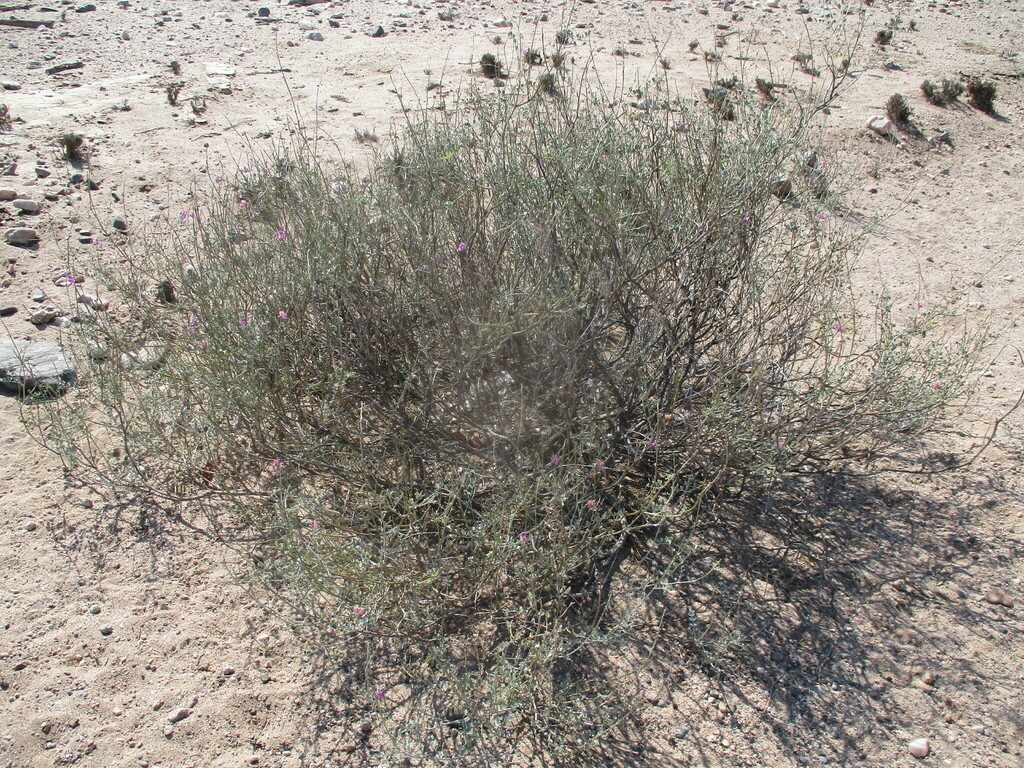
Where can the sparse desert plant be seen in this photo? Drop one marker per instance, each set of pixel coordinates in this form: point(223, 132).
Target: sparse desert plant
point(766, 88)
point(366, 136)
point(469, 401)
point(897, 109)
point(694, 45)
point(563, 37)
point(72, 146)
point(558, 59)
point(490, 65)
point(982, 94)
point(173, 91)
point(952, 90)
point(933, 93)
point(883, 37)
point(665, 63)
point(532, 56)
point(446, 15)
point(5, 117)
point(547, 83)
point(175, 67)
point(198, 104)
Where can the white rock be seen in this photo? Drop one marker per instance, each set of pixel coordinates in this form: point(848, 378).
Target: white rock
point(7, 194)
point(10, 85)
point(502, 22)
point(43, 315)
point(880, 125)
point(179, 714)
point(216, 69)
point(305, 26)
point(919, 748)
point(29, 206)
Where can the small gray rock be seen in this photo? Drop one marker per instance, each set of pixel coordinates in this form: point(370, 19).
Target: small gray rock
point(7, 194)
point(30, 366)
point(263, 13)
point(10, 85)
point(7, 310)
point(23, 204)
point(38, 296)
point(77, 178)
point(315, 36)
point(42, 173)
point(21, 236)
point(106, 629)
point(919, 748)
point(378, 32)
point(120, 225)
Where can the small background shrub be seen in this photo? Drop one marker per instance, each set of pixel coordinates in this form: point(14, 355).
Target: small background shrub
point(898, 110)
point(982, 94)
point(72, 146)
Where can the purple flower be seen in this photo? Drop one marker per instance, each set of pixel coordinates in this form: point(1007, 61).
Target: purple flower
point(242, 321)
point(838, 327)
point(283, 315)
point(746, 220)
point(380, 694)
point(590, 382)
point(242, 203)
point(281, 235)
point(524, 536)
point(937, 385)
point(556, 460)
point(462, 247)
point(314, 524)
point(184, 215)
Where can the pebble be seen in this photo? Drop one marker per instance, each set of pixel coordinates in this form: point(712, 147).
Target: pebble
point(38, 295)
point(94, 302)
point(316, 36)
point(21, 236)
point(998, 596)
point(94, 609)
point(228, 671)
point(106, 629)
point(7, 194)
point(179, 714)
point(919, 748)
point(8, 310)
point(379, 32)
point(10, 85)
point(28, 206)
point(31, 526)
point(263, 12)
point(168, 731)
point(42, 173)
point(77, 178)
point(119, 224)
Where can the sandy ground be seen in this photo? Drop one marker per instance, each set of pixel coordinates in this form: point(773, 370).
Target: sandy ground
point(112, 620)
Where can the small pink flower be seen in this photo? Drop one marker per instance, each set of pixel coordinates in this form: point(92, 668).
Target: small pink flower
point(937, 385)
point(920, 305)
point(838, 328)
point(600, 223)
point(380, 694)
point(275, 463)
point(246, 169)
point(242, 322)
point(314, 525)
point(283, 315)
point(462, 247)
point(651, 444)
point(242, 203)
point(556, 460)
point(591, 503)
point(358, 611)
point(600, 464)
point(184, 215)
point(281, 235)
point(524, 536)
point(590, 382)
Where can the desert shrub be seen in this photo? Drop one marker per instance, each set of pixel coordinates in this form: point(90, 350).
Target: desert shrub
point(933, 93)
point(461, 397)
point(563, 36)
point(72, 146)
point(883, 37)
point(897, 109)
point(532, 56)
point(490, 66)
point(173, 91)
point(5, 117)
point(982, 94)
point(952, 90)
